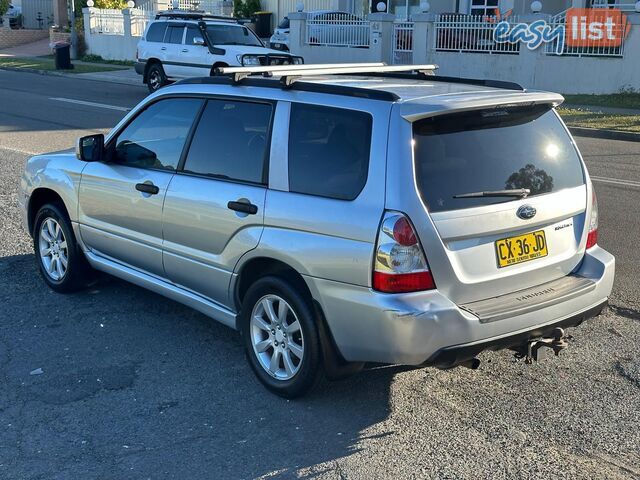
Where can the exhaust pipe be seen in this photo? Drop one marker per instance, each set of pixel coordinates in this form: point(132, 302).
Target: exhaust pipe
point(472, 364)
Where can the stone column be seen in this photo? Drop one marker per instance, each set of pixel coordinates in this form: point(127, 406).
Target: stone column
point(423, 38)
point(381, 43)
point(298, 25)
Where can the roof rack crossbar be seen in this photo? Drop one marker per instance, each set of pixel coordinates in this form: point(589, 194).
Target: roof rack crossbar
point(193, 15)
point(291, 73)
point(240, 73)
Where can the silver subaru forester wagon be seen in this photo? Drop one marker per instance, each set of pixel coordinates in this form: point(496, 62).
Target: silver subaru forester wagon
point(336, 217)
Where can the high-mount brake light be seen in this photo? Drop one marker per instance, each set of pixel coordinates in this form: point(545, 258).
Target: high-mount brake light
point(400, 265)
point(592, 236)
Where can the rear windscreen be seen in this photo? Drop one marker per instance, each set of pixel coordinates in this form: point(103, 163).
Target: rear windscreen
point(491, 150)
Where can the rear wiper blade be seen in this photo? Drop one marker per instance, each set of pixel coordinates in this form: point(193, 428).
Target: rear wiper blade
point(516, 192)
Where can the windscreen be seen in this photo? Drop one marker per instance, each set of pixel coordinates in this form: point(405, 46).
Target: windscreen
point(502, 148)
point(284, 24)
point(231, 35)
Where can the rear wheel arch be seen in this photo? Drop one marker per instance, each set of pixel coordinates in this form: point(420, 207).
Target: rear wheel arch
point(336, 367)
point(150, 62)
point(259, 267)
point(39, 198)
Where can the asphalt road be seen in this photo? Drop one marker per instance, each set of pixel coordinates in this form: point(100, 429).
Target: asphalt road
point(137, 386)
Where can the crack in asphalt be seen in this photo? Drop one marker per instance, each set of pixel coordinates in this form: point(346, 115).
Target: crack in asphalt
point(624, 373)
point(630, 313)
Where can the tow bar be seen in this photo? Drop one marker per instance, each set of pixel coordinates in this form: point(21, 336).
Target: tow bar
point(534, 350)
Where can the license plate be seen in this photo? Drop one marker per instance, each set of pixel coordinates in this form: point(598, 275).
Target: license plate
point(514, 250)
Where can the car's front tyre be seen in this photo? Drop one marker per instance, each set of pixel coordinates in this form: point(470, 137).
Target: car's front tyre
point(156, 78)
point(281, 337)
point(60, 259)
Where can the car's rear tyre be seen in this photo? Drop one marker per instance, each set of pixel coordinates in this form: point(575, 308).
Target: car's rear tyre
point(156, 78)
point(61, 262)
point(281, 337)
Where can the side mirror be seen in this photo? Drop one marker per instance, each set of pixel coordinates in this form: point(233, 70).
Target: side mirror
point(90, 148)
point(198, 41)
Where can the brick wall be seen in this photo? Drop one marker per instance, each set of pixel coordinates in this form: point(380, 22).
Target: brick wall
point(11, 38)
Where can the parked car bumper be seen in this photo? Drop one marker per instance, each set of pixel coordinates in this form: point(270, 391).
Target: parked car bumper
point(139, 67)
point(279, 46)
point(419, 328)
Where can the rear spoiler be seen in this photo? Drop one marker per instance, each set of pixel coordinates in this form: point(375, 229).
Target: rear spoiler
point(416, 111)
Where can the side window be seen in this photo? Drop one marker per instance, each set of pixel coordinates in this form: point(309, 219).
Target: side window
point(231, 141)
point(174, 34)
point(192, 32)
point(156, 32)
point(328, 151)
point(156, 137)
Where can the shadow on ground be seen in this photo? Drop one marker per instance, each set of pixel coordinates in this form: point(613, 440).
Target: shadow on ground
point(135, 384)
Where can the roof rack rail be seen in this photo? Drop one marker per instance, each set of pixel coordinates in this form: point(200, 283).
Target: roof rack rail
point(328, 88)
point(290, 73)
point(192, 15)
point(503, 84)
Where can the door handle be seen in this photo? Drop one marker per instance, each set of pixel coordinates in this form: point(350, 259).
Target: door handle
point(163, 48)
point(243, 207)
point(149, 188)
point(185, 50)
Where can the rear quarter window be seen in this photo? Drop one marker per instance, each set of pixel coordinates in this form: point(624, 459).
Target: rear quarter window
point(329, 151)
point(156, 32)
point(492, 149)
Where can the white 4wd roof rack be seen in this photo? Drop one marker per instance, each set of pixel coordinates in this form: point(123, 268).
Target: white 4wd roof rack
point(290, 73)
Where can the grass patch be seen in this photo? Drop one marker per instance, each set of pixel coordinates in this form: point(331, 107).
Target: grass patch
point(37, 63)
point(99, 59)
point(582, 118)
point(618, 100)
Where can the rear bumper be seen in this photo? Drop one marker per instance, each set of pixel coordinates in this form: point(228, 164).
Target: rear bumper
point(451, 356)
point(427, 328)
point(139, 67)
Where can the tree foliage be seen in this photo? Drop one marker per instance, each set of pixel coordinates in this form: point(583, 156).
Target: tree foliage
point(115, 4)
point(4, 6)
point(245, 8)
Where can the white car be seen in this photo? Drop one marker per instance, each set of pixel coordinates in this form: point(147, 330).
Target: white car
point(179, 45)
point(280, 38)
point(13, 11)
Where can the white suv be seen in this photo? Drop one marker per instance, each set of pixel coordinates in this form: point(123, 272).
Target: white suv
point(189, 44)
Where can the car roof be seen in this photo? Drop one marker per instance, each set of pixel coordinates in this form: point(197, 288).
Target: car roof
point(416, 96)
point(419, 96)
point(196, 21)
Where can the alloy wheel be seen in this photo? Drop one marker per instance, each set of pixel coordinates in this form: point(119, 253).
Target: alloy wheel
point(54, 253)
point(154, 79)
point(276, 337)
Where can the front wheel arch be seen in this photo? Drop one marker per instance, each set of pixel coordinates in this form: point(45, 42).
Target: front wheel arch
point(213, 72)
point(40, 197)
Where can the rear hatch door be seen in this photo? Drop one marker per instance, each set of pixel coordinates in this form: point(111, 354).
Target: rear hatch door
point(504, 198)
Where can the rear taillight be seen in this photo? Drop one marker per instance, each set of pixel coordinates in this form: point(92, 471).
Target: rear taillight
point(400, 265)
point(592, 236)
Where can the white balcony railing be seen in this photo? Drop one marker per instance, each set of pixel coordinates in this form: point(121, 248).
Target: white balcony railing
point(338, 30)
point(470, 33)
point(107, 21)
